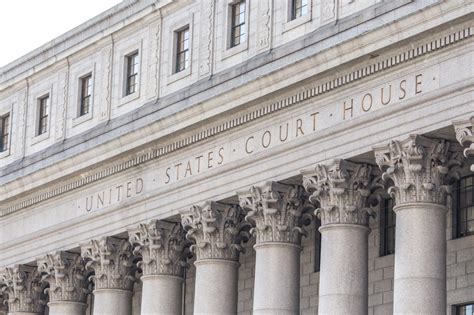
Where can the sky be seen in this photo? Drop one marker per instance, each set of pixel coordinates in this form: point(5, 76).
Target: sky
point(28, 24)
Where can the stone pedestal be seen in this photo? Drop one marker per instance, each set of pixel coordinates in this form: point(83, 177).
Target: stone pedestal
point(113, 302)
point(66, 307)
point(217, 231)
point(420, 259)
point(276, 286)
point(276, 210)
point(216, 287)
point(343, 272)
point(162, 248)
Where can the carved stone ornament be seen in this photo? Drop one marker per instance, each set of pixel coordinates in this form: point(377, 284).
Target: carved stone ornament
point(111, 260)
point(420, 168)
point(277, 212)
point(22, 284)
point(162, 246)
point(341, 190)
point(3, 303)
point(65, 272)
point(465, 136)
point(216, 229)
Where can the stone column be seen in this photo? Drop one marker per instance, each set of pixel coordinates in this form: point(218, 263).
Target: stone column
point(340, 190)
point(421, 169)
point(276, 210)
point(111, 260)
point(22, 284)
point(66, 275)
point(465, 137)
point(162, 247)
point(217, 231)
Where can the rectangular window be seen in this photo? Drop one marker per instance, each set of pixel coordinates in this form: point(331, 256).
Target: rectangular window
point(387, 227)
point(131, 82)
point(465, 206)
point(86, 95)
point(299, 8)
point(467, 309)
point(317, 246)
point(237, 31)
point(182, 50)
point(43, 111)
point(5, 132)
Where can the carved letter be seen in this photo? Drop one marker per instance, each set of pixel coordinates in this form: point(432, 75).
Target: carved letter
point(314, 119)
point(286, 136)
point(247, 145)
point(389, 95)
point(168, 175)
point(418, 84)
point(188, 169)
point(299, 127)
point(402, 89)
point(221, 156)
point(363, 102)
point(267, 144)
point(209, 159)
point(138, 186)
point(345, 108)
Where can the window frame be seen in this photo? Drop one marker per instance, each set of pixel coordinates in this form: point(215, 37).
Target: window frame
point(227, 49)
point(43, 115)
point(233, 26)
point(186, 51)
point(88, 76)
point(457, 308)
point(317, 246)
point(8, 133)
point(459, 232)
point(292, 23)
point(384, 208)
point(292, 12)
point(128, 75)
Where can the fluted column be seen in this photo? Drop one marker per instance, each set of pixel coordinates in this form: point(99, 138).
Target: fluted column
point(276, 210)
point(22, 284)
point(340, 190)
point(216, 230)
point(111, 260)
point(66, 275)
point(162, 247)
point(464, 134)
point(421, 169)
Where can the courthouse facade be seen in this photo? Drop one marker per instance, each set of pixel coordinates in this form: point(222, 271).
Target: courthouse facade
point(242, 157)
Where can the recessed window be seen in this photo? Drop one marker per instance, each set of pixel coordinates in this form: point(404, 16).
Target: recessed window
point(131, 83)
point(299, 8)
point(43, 112)
point(5, 132)
point(467, 309)
point(387, 227)
point(465, 206)
point(182, 50)
point(317, 246)
point(238, 29)
point(86, 95)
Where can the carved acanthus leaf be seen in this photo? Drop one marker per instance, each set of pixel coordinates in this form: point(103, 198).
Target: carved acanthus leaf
point(22, 284)
point(276, 211)
point(216, 229)
point(162, 246)
point(65, 272)
point(420, 168)
point(340, 190)
point(465, 136)
point(111, 260)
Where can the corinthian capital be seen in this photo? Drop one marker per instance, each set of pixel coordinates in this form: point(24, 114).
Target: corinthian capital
point(162, 246)
point(341, 190)
point(420, 168)
point(464, 134)
point(65, 272)
point(22, 285)
point(276, 210)
point(111, 260)
point(216, 229)
point(3, 303)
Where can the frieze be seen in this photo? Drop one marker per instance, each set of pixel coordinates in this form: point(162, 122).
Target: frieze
point(327, 116)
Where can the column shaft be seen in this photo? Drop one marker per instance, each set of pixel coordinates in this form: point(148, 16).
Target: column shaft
point(420, 259)
point(112, 302)
point(344, 268)
point(216, 287)
point(161, 295)
point(277, 281)
point(66, 307)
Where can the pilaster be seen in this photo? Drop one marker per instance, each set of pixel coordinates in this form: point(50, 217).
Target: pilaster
point(111, 260)
point(24, 289)
point(65, 272)
point(277, 212)
point(464, 134)
point(216, 229)
point(162, 245)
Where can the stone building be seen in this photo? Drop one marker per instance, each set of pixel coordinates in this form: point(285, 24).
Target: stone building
point(242, 157)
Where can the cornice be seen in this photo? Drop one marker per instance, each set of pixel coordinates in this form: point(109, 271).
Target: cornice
point(244, 119)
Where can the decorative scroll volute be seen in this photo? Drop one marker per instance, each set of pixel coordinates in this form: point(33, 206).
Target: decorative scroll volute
point(111, 260)
point(420, 168)
point(276, 211)
point(162, 245)
point(22, 284)
point(341, 190)
point(465, 136)
point(65, 272)
point(216, 229)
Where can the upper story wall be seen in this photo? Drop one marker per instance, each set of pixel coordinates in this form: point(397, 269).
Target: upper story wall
point(99, 48)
